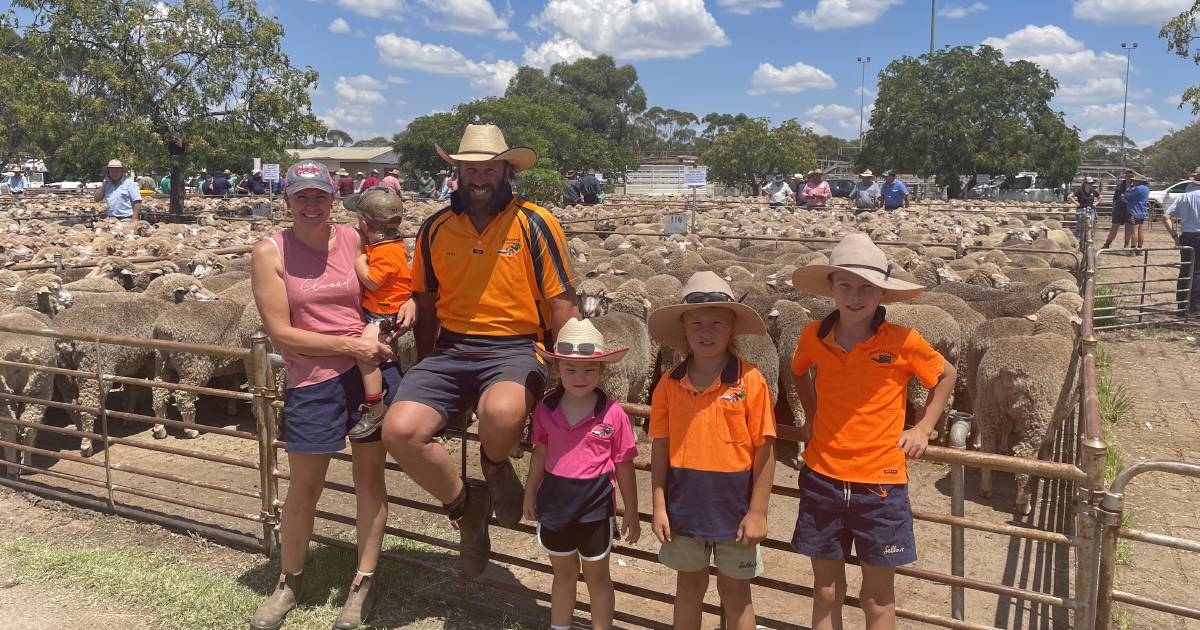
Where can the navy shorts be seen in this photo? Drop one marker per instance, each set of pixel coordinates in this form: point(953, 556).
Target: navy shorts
point(592, 540)
point(451, 378)
point(317, 417)
point(875, 518)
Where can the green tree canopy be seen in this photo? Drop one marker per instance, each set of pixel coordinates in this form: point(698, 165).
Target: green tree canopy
point(338, 138)
point(1108, 148)
point(1180, 32)
point(377, 141)
point(1175, 155)
point(180, 82)
point(962, 111)
point(33, 118)
point(751, 152)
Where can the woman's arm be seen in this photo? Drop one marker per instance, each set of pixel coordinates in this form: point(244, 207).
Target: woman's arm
point(270, 296)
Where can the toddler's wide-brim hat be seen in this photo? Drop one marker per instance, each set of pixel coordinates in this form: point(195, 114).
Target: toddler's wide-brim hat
point(481, 143)
point(856, 254)
point(704, 289)
point(580, 341)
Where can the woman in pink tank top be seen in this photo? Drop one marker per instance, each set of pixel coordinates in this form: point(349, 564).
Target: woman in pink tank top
point(309, 297)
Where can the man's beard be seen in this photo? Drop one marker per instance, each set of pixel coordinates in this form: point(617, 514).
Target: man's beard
point(498, 200)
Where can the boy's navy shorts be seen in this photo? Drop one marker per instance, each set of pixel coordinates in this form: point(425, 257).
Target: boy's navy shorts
point(317, 417)
point(451, 378)
point(875, 518)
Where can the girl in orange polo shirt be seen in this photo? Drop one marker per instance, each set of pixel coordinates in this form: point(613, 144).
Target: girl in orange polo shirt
point(388, 309)
point(854, 487)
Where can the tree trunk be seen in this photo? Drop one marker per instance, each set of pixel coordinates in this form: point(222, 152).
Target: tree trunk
point(176, 189)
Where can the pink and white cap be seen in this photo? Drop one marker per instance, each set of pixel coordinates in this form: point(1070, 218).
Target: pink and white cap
point(307, 174)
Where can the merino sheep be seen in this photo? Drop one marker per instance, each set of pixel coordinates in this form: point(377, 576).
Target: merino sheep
point(23, 382)
point(42, 292)
point(629, 380)
point(944, 334)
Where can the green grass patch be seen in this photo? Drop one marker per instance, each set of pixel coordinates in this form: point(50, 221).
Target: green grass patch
point(1120, 620)
point(1116, 406)
point(1104, 306)
point(1124, 552)
point(183, 595)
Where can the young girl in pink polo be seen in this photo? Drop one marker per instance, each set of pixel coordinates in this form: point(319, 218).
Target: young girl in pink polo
point(582, 443)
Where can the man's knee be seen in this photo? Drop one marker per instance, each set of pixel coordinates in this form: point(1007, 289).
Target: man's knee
point(410, 425)
point(505, 404)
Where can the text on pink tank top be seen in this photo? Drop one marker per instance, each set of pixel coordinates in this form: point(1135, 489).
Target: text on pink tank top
point(323, 295)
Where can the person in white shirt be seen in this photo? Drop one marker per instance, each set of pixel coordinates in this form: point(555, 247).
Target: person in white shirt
point(777, 191)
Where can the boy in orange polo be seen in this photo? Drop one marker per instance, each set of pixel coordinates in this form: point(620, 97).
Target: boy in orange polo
point(853, 490)
point(712, 461)
point(388, 309)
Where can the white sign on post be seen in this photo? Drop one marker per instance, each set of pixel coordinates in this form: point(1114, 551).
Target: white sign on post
point(675, 224)
point(697, 176)
point(270, 172)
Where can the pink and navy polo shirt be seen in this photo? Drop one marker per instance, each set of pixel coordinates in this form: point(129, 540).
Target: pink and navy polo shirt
point(580, 461)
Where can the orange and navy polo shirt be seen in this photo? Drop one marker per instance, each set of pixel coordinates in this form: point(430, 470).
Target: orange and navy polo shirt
point(861, 397)
point(387, 266)
point(712, 435)
point(497, 283)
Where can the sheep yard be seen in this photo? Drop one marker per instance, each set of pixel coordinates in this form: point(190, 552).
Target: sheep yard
point(969, 255)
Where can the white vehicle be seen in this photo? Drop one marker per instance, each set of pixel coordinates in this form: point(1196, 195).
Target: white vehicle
point(1163, 198)
point(1022, 187)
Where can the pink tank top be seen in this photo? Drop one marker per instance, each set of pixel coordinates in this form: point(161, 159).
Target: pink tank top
point(323, 295)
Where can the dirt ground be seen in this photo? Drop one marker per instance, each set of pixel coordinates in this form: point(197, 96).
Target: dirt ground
point(1158, 366)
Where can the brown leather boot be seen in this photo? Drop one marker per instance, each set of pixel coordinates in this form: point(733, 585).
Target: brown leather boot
point(271, 613)
point(475, 543)
point(505, 488)
point(359, 603)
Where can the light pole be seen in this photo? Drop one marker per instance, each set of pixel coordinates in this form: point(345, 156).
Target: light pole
point(1125, 108)
point(932, 13)
point(862, 97)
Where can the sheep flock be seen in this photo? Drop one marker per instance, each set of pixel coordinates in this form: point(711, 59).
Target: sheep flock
point(1003, 304)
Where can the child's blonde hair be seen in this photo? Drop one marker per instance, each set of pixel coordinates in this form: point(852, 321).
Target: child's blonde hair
point(732, 347)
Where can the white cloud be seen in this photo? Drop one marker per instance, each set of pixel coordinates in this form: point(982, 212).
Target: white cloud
point(555, 50)
point(362, 89)
point(374, 8)
point(625, 29)
point(395, 80)
point(1142, 120)
point(339, 25)
point(830, 112)
point(1091, 91)
point(403, 52)
point(816, 128)
point(1057, 52)
point(834, 14)
point(768, 79)
point(862, 91)
point(466, 16)
point(346, 116)
point(1173, 99)
point(745, 7)
point(954, 11)
point(1129, 11)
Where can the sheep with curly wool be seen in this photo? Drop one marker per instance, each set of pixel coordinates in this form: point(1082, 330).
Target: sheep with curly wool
point(36, 384)
point(41, 292)
point(944, 334)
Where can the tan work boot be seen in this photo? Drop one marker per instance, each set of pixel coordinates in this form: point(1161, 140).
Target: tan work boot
point(359, 603)
point(271, 613)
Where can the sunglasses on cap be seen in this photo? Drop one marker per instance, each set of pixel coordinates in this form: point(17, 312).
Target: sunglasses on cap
point(571, 349)
point(704, 298)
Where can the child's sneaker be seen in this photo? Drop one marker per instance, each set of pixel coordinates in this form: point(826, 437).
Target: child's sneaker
point(372, 417)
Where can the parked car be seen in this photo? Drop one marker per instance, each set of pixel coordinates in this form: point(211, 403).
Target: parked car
point(841, 187)
point(1163, 198)
point(1022, 187)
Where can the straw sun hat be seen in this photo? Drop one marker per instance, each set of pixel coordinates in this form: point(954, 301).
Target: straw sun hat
point(581, 341)
point(703, 290)
point(859, 256)
point(481, 143)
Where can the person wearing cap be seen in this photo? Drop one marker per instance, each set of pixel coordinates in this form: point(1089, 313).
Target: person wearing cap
point(218, 185)
point(309, 296)
point(777, 191)
point(1192, 182)
point(491, 271)
point(1120, 211)
point(712, 462)
point(17, 183)
point(372, 179)
point(426, 186)
point(121, 195)
point(865, 195)
point(392, 181)
point(164, 184)
point(345, 183)
point(583, 446)
point(816, 190)
point(1084, 197)
point(893, 193)
point(1186, 208)
point(1137, 199)
point(851, 371)
point(572, 194)
point(359, 179)
point(253, 185)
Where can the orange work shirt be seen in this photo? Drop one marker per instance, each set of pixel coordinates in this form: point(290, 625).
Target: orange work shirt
point(711, 435)
point(861, 397)
point(387, 266)
point(497, 282)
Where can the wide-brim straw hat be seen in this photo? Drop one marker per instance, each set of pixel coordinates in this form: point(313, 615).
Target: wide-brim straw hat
point(581, 342)
point(481, 143)
point(866, 173)
point(815, 171)
point(666, 325)
point(342, 171)
point(856, 254)
point(115, 164)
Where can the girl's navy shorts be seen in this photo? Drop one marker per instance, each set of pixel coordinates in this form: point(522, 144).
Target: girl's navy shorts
point(317, 417)
point(875, 519)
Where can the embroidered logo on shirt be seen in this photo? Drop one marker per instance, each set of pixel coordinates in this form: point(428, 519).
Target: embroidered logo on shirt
point(890, 471)
point(476, 251)
point(510, 248)
point(603, 431)
point(883, 358)
point(734, 395)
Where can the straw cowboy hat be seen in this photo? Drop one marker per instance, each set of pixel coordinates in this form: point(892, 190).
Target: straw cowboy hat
point(115, 164)
point(815, 171)
point(703, 290)
point(342, 171)
point(580, 341)
point(481, 143)
point(866, 173)
point(858, 255)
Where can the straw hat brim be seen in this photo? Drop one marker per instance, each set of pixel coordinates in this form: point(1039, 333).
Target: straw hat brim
point(521, 158)
point(814, 279)
point(667, 329)
point(603, 357)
